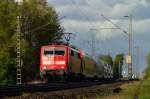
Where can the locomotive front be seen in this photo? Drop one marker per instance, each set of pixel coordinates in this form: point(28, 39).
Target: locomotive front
point(53, 59)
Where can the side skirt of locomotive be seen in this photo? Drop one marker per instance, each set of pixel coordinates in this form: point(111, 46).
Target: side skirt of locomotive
point(52, 75)
point(62, 75)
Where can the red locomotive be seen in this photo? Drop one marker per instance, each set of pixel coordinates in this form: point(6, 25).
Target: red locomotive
point(59, 60)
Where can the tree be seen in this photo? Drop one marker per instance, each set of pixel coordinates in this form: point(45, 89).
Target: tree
point(107, 59)
point(40, 25)
point(33, 36)
point(147, 71)
point(117, 65)
point(8, 14)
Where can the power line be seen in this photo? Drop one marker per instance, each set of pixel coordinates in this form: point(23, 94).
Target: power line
point(98, 14)
point(90, 23)
point(98, 10)
point(81, 11)
point(114, 24)
point(70, 24)
point(106, 18)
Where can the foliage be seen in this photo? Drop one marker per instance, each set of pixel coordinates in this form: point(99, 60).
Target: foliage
point(42, 26)
point(147, 72)
point(145, 84)
point(107, 59)
point(128, 91)
point(8, 14)
point(118, 62)
point(39, 26)
point(144, 89)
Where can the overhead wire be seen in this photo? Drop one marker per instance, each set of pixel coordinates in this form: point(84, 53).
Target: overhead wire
point(82, 13)
point(97, 13)
point(74, 30)
point(106, 18)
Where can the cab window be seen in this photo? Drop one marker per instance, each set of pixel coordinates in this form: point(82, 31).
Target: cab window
point(48, 51)
point(59, 51)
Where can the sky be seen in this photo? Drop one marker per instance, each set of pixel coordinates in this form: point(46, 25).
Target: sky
point(87, 19)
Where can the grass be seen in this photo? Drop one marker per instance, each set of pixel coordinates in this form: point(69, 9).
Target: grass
point(129, 91)
point(134, 90)
point(25, 94)
point(145, 89)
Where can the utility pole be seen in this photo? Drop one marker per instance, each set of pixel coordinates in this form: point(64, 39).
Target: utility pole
point(137, 61)
point(130, 47)
point(19, 63)
point(93, 47)
point(119, 70)
point(129, 58)
point(18, 51)
point(93, 42)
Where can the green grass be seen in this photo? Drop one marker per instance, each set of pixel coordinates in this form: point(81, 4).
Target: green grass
point(145, 89)
point(128, 91)
point(140, 89)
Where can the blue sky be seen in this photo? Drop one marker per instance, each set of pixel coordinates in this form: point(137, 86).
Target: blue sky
point(84, 15)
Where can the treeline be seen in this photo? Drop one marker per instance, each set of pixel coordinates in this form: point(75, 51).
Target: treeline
point(147, 71)
point(116, 63)
point(39, 26)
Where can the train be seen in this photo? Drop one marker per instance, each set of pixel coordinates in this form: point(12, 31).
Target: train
point(67, 62)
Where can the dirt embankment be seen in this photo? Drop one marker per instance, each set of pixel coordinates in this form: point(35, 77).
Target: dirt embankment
point(94, 92)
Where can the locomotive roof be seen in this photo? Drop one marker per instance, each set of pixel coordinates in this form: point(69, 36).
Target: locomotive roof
point(74, 48)
point(63, 43)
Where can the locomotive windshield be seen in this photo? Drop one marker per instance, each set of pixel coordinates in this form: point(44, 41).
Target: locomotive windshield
point(59, 52)
point(48, 51)
point(52, 51)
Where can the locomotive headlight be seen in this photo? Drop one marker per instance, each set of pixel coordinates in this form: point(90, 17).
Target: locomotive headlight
point(62, 67)
point(44, 67)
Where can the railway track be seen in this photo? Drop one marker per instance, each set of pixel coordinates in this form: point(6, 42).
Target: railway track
point(17, 90)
